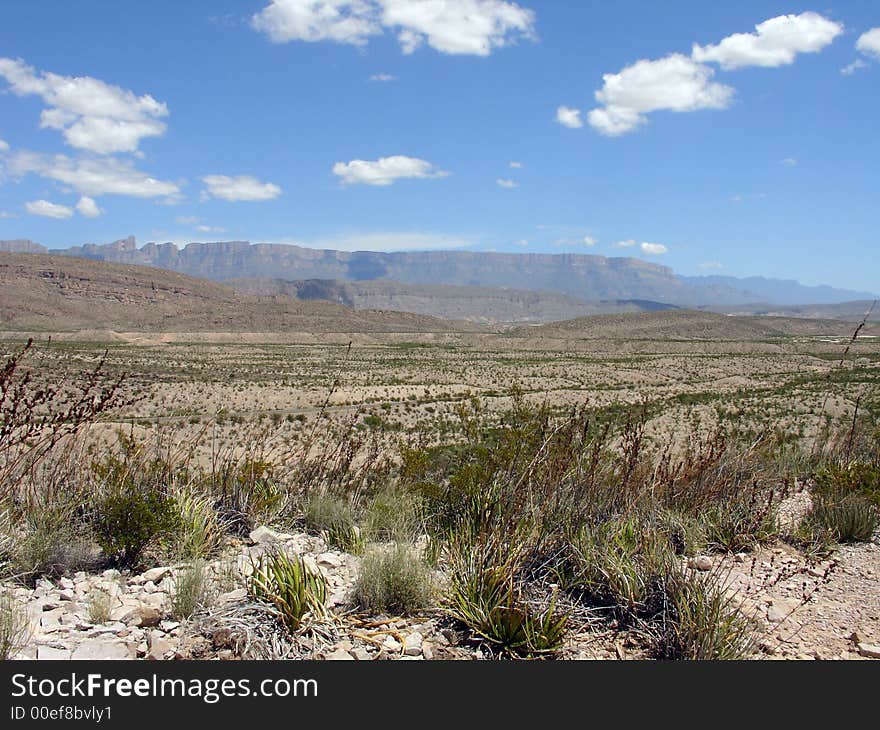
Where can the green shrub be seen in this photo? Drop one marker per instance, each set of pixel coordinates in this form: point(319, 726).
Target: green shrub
point(395, 580)
point(621, 566)
point(738, 524)
point(14, 626)
point(857, 476)
point(127, 522)
point(296, 591)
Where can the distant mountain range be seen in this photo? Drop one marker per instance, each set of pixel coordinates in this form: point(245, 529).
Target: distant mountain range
point(571, 285)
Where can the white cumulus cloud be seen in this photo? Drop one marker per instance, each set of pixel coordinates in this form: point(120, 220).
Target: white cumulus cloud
point(383, 77)
point(385, 170)
point(628, 243)
point(506, 183)
point(88, 208)
point(674, 83)
point(516, 165)
point(93, 177)
point(869, 43)
point(4, 145)
point(590, 241)
point(240, 188)
point(568, 117)
point(654, 249)
point(92, 115)
point(775, 42)
point(474, 27)
point(48, 210)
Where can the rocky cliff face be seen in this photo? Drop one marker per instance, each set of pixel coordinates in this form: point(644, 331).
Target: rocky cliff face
point(22, 245)
point(590, 278)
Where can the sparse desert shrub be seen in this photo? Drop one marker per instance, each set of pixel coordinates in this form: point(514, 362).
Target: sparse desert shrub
point(14, 626)
point(190, 591)
point(248, 492)
point(100, 604)
point(51, 543)
point(297, 591)
point(393, 515)
point(485, 597)
point(127, 521)
point(333, 516)
point(393, 580)
point(848, 517)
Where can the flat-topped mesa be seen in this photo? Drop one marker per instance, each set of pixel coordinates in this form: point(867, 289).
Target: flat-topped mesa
point(22, 245)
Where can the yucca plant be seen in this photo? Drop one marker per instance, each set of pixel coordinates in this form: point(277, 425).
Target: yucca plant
point(850, 518)
point(485, 597)
point(700, 621)
point(297, 591)
point(200, 529)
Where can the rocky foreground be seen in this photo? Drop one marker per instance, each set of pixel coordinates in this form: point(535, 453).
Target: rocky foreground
point(826, 610)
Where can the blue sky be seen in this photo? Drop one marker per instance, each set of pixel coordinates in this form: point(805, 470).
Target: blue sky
point(536, 126)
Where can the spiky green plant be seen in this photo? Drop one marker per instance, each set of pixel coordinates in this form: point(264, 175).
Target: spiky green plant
point(297, 591)
point(200, 529)
point(484, 596)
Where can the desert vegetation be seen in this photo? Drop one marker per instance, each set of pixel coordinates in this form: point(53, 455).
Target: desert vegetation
point(598, 497)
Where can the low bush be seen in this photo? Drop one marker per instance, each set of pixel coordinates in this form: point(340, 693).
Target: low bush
point(333, 516)
point(126, 522)
point(393, 580)
point(100, 604)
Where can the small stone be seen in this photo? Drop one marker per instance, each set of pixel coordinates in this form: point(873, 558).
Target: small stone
point(110, 574)
point(158, 645)
point(67, 594)
point(239, 594)
point(700, 562)
point(263, 535)
point(427, 650)
point(143, 616)
point(872, 651)
point(329, 559)
point(361, 654)
point(102, 649)
point(781, 608)
point(413, 644)
point(168, 626)
point(391, 644)
point(339, 655)
point(50, 653)
point(154, 575)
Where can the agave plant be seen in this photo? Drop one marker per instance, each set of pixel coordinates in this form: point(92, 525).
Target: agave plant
point(297, 591)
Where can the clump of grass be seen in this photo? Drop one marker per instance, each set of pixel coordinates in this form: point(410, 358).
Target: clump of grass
point(394, 580)
point(333, 517)
point(100, 604)
point(738, 524)
point(393, 515)
point(297, 591)
point(190, 592)
point(849, 518)
point(51, 543)
point(14, 626)
point(200, 529)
